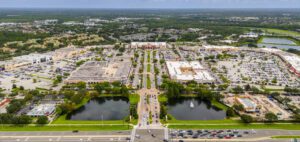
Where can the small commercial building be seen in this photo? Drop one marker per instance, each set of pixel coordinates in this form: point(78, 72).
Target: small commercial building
point(184, 71)
point(248, 105)
point(42, 110)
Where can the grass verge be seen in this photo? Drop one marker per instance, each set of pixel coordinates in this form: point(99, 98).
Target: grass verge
point(134, 98)
point(228, 124)
point(219, 105)
point(62, 120)
point(285, 137)
point(282, 32)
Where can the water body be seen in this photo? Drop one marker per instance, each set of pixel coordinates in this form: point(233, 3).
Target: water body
point(108, 108)
point(181, 109)
point(272, 40)
point(278, 46)
point(281, 43)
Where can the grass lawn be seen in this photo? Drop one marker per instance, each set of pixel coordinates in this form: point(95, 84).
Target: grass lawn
point(62, 120)
point(162, 99)
point(238, 126)
point(148, 82)
point(228, 124)
point(148, 67)
point(134, 98)
point(66, 128)
point(282, 32)
point(224, 121)
point(273, 89)
point(285, 137)
point(219, 105)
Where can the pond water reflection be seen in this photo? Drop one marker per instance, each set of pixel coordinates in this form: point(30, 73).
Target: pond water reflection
point(194, 109)
point(106, 108)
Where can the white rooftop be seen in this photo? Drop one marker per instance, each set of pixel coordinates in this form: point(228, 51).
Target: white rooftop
point(158, 44)
point(187, 71)
point(219, 47)
point(42, 110)
point(294, 60)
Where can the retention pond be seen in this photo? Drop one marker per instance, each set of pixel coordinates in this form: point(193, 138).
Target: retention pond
point(103, 108)
point(194, 109)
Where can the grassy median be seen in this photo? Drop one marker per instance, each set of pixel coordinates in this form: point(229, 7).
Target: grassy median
point(148, 82)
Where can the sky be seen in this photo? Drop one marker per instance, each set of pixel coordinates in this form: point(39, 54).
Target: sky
point(150, 3)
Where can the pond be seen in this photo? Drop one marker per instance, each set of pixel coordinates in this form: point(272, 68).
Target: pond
point(278, 41)
point(281, 43)
point(106, 108)
point(278, 46)
point(194, 109)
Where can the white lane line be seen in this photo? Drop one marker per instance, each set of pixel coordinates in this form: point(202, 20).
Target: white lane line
point(133, 132)
point(58, 139)
point(166, 133)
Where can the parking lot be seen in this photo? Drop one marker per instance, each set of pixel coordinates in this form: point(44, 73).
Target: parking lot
point(256, 68)
point(227, 135)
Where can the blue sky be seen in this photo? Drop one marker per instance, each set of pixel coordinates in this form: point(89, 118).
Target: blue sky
point(151, 3)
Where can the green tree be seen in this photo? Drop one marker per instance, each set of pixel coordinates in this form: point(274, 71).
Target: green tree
point(133, 111)
point(77, 98)
point(238, 89)
point(99, 88)
point(271, 117)
point(42, 120)
point(238, 107)
point(66, 108)
point(124, 90)
point(21, 88)
point(296, 117)
point(163, 111)
point(23, 119)
point(14, 106)
point(81, 85)
point(230, 112)
point(68, 94)
point(59, 78)
point(246, 118)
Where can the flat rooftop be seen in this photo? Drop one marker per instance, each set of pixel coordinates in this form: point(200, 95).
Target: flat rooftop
point(100, 71)
point(42, 110)
point(187, 71)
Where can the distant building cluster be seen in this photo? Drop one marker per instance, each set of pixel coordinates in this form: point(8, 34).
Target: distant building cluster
point(36, 58)
point(184, 71)
point(219, 48)
point(148, 45)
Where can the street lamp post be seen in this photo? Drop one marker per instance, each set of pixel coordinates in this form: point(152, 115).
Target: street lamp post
point(102, 119)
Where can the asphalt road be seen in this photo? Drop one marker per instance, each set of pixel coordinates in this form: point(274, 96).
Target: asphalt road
point(119, 136)
point(151, 135)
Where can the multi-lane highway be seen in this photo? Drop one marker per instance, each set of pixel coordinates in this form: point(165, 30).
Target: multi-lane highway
point(120, 136)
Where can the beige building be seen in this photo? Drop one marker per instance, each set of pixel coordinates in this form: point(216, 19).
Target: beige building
point(148, 45)
point(35, 58)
